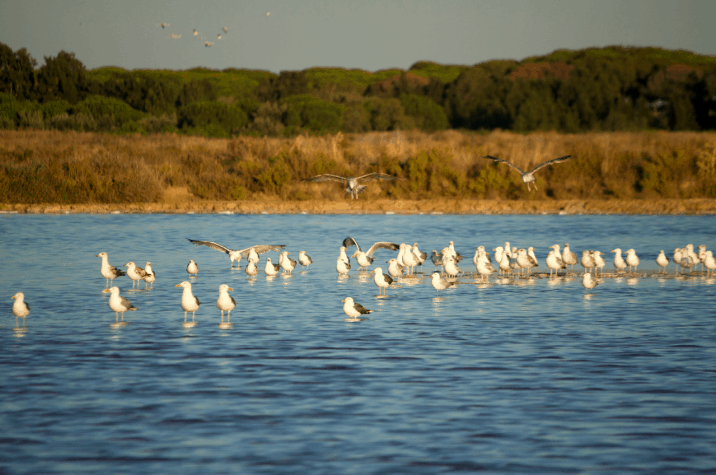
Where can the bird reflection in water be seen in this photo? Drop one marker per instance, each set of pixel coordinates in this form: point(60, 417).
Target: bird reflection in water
point(633, 280)
point(189, 324)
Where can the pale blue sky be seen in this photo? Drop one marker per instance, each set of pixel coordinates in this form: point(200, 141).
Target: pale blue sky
point(368, 35)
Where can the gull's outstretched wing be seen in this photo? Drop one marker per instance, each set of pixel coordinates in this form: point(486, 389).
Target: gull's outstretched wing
point(378, 176)
point(349, 241)
point(505, 162)
point(262, 248)
point(552, 162)
point(382, 245)
point(210, 244)
point(326, 177)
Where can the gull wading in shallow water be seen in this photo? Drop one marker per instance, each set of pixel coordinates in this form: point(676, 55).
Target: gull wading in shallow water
point(440, 284)
point(353, 309)
point(189, 303)
point(236, 255)
point(117, 303)
point(529, 177)
point(108, 272)
point(20, 308)
point(353, 187)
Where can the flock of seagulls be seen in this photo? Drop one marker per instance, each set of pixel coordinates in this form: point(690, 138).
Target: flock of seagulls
point(196, 34)
point(508, 261)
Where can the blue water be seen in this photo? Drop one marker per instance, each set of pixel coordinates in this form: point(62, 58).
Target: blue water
point(532, 377)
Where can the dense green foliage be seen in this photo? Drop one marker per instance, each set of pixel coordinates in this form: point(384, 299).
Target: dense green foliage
point(597, 89)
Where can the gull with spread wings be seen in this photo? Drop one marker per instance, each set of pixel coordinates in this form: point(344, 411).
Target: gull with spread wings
point(529, 177)
point(365, 259)
point(236, 255)
point(353, 187)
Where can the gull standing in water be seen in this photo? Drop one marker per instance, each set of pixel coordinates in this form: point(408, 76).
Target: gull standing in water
point(192, 268)
point(619, 263)
point(189, 303)
point(568, 257)
point(554, 260)
point(344, 257)
point(225, 302)
point(632, 260)
point(394, 269)
point(599, 262)
point(419, 255)
point(365, 259)
point(354, 309)
point(21, 309)
point(587, 261)
point(149, 275)
point(287, 264)
point(451, 268)
point(304, 259)
point(109, 272)
point(236, 255)
point(251, 270)
point(342, 266)
point(135, 273)
point(709, 263)
point(351, 182)
point(271, 269)
point(117, 303)
point(528, 177)
point(437, 259)
point(440, 284)
point(484, 268)
point(588, 282)
point(662, 260)
point(383, 281)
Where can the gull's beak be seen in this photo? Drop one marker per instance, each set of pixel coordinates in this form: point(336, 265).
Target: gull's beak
point(343, 300)
point(614, 251)
point(97, 255)
point(12, 297)
point(105, 291)
point(178, 285)
point(230, 288)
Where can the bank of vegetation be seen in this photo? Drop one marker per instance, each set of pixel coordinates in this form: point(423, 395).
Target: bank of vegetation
point(591, 90)
point(83, 167)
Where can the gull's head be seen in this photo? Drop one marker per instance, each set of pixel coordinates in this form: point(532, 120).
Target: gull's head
point(101, 254)
point(566, 245)
point(18, 296)
point(617, 250)
point(354, 254)
point(300, 253)
point(184, 284)
point(191, 261)
point(415, 245)
point(348, 300)
point(631, 251)
point(268, 260)
point(435, 275)
point(702, 246)
point(555, 247)
point(129, 264)
point(111, 290)
point(377, 270)
point(343, 248)
point(224, 288)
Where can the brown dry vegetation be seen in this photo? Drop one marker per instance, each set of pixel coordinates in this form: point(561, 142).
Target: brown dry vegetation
point(69, 168)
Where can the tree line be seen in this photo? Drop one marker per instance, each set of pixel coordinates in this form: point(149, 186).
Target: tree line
point(597, 89)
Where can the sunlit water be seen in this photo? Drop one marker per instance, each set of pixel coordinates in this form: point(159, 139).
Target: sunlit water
point(521, 378)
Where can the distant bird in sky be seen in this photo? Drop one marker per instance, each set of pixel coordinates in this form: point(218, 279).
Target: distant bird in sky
point(268, 13)
point(208, 43)
point(174, 36)
point(218, 37)
point(528, 177)
point(353, 187)
point(196, 33)
point(225, 30)
point(163, 25)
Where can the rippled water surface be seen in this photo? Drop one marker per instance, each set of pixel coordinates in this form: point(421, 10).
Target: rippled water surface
point(527, 377)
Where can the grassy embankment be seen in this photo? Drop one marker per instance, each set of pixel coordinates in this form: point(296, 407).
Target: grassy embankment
point(49, 171)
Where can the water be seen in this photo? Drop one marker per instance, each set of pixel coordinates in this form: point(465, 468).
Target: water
point(529, 378)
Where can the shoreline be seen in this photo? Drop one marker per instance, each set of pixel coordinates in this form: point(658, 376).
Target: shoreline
point(438, 206)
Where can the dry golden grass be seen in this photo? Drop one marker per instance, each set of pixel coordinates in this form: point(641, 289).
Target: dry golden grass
point(70, 167)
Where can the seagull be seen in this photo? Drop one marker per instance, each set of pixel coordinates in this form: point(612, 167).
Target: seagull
point(189, 303)
point(251, 269)
point(342, 266)
point(196, 33)
point(409, 258)
point(677, 259)
point(685, 260)
point(20, 308)
point(287, 263)
point(208, 43)
point(484, 268)
point(117, 303)
point(554, 261)
point(450, 266)
point(174, 36)
point(218, 37)
point(192, 268)
point(344, 257)
point(619, 263)
point(599, 262)
point(304, 259)
point(588, 282)
point(108, 272)
point(587, 261)
point(532, 258)
point(149, 275)
point(632, 260)
point(365, 259)
point(271, 268)
point(662, 260)
point(528, 177)
point(354, 188)
point(702, 254)
point(440, 284)
point(420, 255)
point(394, 269)
point(353, 309)
point(450, 250)
point(225, 302)
point(225, 30)
point(437, 259)
point(383, 281)
point(236, 255)
point(135, 273)
point(568, 257)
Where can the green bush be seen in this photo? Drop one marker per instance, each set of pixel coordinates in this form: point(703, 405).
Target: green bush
point(427, 114)
point(309, 112)
point(107, 111)
point(216, 118)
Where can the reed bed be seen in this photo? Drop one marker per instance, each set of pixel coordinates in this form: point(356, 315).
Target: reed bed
point(72, 167)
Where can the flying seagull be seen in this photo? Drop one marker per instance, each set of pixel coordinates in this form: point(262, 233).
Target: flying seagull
point(352, 181)
point(236, 255)
point(365, 259)
point(529, 177)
